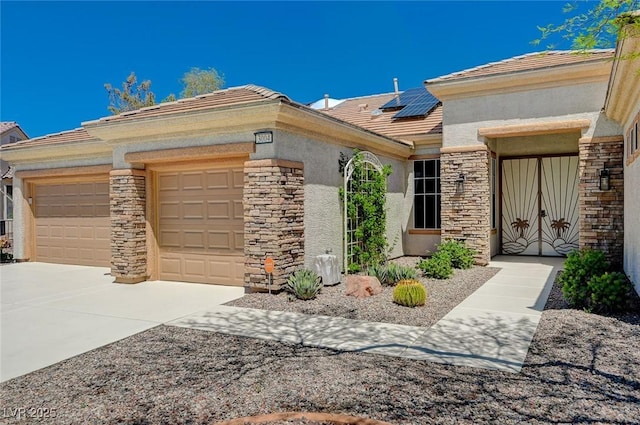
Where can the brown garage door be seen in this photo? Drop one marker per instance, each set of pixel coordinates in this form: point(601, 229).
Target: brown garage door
point(201, 226)
point(72, 223)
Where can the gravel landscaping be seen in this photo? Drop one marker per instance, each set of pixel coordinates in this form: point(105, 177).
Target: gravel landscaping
point(442, 297)
point(581, 368)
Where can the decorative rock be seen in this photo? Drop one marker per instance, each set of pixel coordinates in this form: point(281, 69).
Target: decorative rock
point(362, 286)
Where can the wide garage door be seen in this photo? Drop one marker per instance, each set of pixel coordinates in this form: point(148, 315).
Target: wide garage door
point(72, 223)
point(201, 226)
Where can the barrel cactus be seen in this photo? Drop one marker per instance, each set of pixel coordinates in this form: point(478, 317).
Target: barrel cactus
point(409, 293)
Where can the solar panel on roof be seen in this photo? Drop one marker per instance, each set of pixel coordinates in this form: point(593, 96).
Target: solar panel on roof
point(404, 99)
point(419, 106)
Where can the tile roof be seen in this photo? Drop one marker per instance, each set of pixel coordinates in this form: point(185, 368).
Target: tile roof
point(7, 125)
point(358, 111)
point(528, 62)
point(218, 99)
point(71, 136)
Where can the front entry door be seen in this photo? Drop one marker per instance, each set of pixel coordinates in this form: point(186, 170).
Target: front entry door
point(540, 205)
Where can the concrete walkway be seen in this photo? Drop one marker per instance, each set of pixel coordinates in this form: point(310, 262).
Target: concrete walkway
point(491, 329)
point(51, 312)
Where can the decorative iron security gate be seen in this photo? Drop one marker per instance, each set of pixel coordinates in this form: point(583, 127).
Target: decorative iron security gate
point(540, 205)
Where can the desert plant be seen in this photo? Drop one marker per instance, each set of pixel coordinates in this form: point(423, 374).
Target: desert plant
point(396, 273)
point(438, 266)
point(409, 293)
point(304, 284)
point(579, 268)
point(609, 292)
point(380, 271)
point(462, 257)
point(5, 243)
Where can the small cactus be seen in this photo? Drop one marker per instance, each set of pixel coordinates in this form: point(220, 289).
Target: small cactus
point(409, 293)
point(304, 284)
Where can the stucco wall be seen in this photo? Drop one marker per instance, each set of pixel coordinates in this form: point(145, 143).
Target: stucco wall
point(322, 210)
point(4, 167)
point(18, 220)
point(463, 117)
point(631, 260)
point(547, 144)
point(181, 142)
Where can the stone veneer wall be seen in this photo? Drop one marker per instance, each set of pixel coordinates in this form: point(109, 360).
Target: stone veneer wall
point(466, 215)
point(273, 220)
point(602, 212)
point(127, 198)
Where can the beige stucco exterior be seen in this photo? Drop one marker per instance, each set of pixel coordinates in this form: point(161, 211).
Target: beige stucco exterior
point(538, 113)
point(623, 105)
point(542, 112)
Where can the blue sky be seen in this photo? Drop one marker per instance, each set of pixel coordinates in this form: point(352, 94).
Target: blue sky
point(56, 56)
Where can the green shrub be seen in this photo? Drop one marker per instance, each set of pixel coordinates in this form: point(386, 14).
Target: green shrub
point(579, 268)
point(609, 292)
point(461, 256)
point(438, 266)
point(409, 293)
point(304, 284)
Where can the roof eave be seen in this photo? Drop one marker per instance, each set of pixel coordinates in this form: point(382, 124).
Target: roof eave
point(316, 124)
point(192, 123)
point(623, 97)
point(581, 73)
point(55, 152)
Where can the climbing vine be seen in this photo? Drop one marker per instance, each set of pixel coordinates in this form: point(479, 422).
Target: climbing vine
point(366, 211)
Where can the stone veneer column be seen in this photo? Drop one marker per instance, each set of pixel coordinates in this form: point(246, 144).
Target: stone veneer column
point(466, 215)
point(602, 211)
point(273, 220)
point(128, 225)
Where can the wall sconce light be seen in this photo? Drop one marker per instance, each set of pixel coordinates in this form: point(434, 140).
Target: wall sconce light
point(460, 183)
point(604, 179)
point(263, 137)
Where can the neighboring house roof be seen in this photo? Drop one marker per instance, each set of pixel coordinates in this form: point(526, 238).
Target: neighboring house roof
point(222, 98)
point(528, 62)
point(7, 125)
point(364, 112)
point(319, 104)
point(77, 135)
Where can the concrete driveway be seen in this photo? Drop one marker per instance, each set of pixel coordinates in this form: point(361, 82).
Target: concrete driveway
point(52, 312)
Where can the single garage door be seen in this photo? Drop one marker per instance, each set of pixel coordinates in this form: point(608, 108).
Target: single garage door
point(72, 223)
point(201, 226)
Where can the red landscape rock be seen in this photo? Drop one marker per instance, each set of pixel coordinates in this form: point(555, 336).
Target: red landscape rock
point(362, 286)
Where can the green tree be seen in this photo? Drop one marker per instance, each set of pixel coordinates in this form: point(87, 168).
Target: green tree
point(132, 96)
point(201, 81)
point(598, 27)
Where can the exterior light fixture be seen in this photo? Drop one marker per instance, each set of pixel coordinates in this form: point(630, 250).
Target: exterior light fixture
point(460, 183)
point(263, 137)
point(604, 179)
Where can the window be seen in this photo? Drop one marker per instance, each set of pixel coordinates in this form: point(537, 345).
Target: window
point(494, 190)
point(426, 180)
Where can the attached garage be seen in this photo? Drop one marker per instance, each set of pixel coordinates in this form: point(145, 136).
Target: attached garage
point(201, 225)
point(72, 224)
